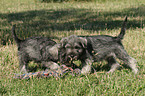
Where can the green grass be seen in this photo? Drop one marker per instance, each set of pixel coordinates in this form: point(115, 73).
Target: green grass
point(57, 20)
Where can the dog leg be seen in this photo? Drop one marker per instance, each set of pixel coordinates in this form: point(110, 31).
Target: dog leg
point(86, 66)
point(51, 65)
point(113, 63)
point(23, 67)
point(23, 63)
point(131, 62)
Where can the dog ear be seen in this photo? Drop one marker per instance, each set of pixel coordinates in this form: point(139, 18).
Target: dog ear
point(83, 42)
point(63, 41)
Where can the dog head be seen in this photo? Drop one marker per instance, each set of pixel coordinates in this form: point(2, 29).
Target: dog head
point(72, 47)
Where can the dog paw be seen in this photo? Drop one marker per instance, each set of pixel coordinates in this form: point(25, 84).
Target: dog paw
point(135, 71)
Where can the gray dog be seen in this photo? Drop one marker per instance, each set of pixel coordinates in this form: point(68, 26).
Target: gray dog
point(89, 49)
point(39, 49)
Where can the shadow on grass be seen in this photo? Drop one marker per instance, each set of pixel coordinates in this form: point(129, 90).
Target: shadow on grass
point(47, 22)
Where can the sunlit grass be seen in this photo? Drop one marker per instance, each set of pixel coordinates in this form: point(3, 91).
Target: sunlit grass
point(58, 20)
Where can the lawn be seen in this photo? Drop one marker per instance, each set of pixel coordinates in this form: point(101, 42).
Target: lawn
point(58, 20)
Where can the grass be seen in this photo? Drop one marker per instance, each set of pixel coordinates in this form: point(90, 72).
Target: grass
point(57, 20)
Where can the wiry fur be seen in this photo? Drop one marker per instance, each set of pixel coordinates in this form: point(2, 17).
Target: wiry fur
point(90, 49)
point(39, 49)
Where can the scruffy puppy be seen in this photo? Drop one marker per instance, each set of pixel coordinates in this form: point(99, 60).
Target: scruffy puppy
point(90, 49)
point(39, 49)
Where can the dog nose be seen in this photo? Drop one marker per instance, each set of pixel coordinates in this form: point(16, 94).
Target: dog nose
point(72, 56)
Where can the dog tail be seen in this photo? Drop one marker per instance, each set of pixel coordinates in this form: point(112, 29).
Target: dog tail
point(122, 33)
point(14, 35)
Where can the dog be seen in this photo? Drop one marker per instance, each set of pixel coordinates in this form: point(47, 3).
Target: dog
point(38, 49)
point(89, 49)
